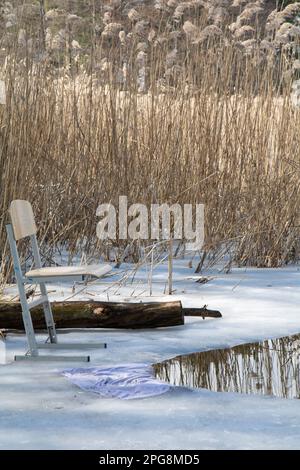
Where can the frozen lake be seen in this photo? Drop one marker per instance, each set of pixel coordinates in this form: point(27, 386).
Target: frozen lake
point(40, 409)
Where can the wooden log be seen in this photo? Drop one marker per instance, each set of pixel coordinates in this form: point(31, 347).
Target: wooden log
point(201, 312)
point(91, 314)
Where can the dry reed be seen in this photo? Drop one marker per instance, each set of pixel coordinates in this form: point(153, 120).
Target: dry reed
point(224, 133)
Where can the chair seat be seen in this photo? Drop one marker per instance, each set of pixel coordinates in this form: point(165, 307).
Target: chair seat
point(92, 270)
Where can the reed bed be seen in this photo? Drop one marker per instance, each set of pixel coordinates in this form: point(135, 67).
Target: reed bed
point(226, 135)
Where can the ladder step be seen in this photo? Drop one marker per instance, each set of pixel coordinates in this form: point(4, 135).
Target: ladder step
point(40, 300)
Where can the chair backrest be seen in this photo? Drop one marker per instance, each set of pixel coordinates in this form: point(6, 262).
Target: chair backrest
point(22, 219)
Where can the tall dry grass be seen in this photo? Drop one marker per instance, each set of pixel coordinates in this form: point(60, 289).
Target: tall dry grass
point(225, 135)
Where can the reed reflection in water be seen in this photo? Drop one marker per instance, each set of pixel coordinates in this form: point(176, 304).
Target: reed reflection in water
point(269, 367)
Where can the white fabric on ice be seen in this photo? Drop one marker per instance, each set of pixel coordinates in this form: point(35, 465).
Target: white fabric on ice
point(125, 381)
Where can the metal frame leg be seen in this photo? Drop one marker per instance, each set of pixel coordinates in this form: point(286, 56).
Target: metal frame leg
point(46, 305)
point(48, 315)
point(32, 343)
point(33, 348)
point(53, 358)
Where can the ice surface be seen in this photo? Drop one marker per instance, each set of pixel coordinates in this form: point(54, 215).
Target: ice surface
point(40, 409)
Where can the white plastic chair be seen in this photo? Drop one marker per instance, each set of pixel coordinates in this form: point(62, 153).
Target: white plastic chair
point(23, 225)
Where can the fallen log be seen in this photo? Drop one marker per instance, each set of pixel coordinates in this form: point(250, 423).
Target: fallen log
point(201, 312)
point(93, 314)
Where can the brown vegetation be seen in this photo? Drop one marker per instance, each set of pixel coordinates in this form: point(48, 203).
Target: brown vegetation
point(218, 127)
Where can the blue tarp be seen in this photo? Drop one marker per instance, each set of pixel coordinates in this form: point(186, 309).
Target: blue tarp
point(125, 381)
